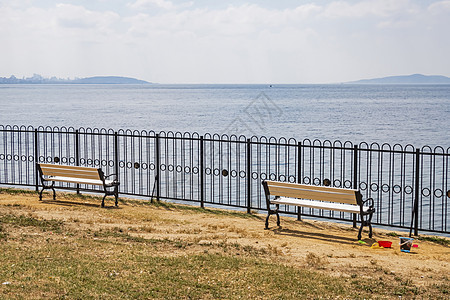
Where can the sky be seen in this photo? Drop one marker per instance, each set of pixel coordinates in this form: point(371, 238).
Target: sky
point(284, 41)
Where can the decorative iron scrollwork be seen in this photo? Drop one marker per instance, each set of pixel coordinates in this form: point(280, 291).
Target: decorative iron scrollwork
point(187, 169)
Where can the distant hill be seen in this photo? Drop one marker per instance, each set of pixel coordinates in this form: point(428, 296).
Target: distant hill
point(108, 80)
point(406, 79)
point(38, 79)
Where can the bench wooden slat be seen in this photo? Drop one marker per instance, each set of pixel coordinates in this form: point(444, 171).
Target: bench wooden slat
point(327, 195)
point(310, 187)
point(75, 180)
point(319, 205)
point(64, 167)
point(70, 171)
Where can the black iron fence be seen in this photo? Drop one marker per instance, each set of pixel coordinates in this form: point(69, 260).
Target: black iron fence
point(410, 186)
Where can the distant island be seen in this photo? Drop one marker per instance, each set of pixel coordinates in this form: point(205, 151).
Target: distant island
point(38, 79)
point(406, 79)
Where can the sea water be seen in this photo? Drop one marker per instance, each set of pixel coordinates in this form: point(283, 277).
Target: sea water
point(393, 114)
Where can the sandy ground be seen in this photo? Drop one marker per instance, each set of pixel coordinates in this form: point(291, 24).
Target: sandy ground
point(320, 245)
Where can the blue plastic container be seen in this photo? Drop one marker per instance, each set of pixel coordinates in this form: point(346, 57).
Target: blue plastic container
point(406, 244)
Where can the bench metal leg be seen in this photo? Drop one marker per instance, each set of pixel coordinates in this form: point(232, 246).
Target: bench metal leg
point(278, 216)
point(269, 213)
point(103, 201)
point(368, 223)
point(267, 220)
point(360, 230)
point(45, 187)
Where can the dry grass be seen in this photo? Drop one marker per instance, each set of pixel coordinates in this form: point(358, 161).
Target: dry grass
point(74, 249)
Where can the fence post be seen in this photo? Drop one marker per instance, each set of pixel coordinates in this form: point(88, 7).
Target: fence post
point(249, 177)
point(415, 212)
point(299, 175)
point(116, 156)
point(157, 167)
point(202, 172)
point(77, 153)
point(355, 176)
point(36, 158)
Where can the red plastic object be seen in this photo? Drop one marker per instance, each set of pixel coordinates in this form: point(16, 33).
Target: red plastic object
point(385, 244)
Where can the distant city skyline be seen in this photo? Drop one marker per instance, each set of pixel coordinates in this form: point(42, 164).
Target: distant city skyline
point(203, 41)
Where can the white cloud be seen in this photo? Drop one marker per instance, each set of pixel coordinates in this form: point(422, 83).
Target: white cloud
point(367, 8)
point(314, 42)
point(149, 3)
point(442, 7)
point(72, 16)
point(163, 4)
point(245, 20)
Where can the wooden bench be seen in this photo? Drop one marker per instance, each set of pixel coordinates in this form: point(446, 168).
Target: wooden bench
point(320, 197)
point(79, 175)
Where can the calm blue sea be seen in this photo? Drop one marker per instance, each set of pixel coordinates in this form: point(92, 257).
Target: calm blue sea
point(403, 114)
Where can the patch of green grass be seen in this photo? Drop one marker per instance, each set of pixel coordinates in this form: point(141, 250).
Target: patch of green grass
point(435, 239)
point(83, 269)
point(113, 264)
point(443, 288)
point(14, 205)
point(13, 191)
point(84, 196)
point(118, 233)
point(3, 234)
point(394, 234)
point(221, 212)
point(59, 270)
point(23, 221)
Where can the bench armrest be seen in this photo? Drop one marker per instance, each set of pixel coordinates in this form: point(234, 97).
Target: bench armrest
point(369, 202)
point(115, 181)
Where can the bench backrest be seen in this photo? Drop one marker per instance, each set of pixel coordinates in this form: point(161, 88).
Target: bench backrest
point(312, 192)
point(70, 171)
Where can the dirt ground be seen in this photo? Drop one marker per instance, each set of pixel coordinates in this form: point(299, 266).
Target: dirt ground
point(321, 245)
